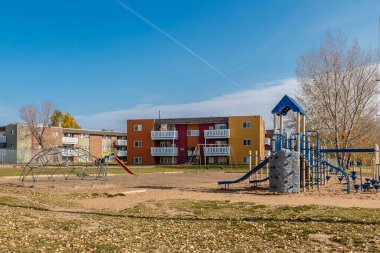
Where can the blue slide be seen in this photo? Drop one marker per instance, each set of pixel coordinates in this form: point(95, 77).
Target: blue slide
point(246, 176)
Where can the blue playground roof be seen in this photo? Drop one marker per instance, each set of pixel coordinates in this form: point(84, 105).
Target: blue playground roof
point(286, 104)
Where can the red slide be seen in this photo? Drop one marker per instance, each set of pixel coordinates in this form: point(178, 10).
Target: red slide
point(124, 166)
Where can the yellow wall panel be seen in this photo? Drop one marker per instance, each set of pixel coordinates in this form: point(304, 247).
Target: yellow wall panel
point(255, 134)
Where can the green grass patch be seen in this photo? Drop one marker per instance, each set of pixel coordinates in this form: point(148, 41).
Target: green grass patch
point(113, 169)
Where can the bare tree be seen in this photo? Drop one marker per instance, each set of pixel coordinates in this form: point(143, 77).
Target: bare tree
point(338, 88)
point(38, 120)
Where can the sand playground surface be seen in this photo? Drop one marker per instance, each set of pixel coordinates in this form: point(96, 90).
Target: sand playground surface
point(128, 191)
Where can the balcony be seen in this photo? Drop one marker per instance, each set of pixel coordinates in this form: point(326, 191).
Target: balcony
point(3, 139)
point(267, 141)
point(121, 143)
point(164, 135)
point(69, 140)
point(69, 152)
point(121, 153)
point(217, 151)
point(165, 151)
point(217, 133)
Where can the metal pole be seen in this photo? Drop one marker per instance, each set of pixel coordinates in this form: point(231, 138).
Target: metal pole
point(312, 166)
point(286, 141)
point(377, 159)
point(303, 152)
point(256, 160)
point(298, 130)
point(250, 163)
point(308, 162)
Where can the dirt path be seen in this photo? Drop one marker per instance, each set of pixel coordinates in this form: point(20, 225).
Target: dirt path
point(194, 186)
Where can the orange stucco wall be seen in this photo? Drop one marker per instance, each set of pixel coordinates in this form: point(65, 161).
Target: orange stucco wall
point(143, 136)
point(192, 141)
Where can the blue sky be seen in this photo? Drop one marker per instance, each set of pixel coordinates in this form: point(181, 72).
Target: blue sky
point(98, 61)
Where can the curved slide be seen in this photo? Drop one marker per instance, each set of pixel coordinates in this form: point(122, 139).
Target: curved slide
point(246, 176)
point(125, 167)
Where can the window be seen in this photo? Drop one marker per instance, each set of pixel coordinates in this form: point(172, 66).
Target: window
point(221, 142)
point(108, 137)
point(246, 124)
point(56, 134)
point(164, 144)
point(84, 136)
point(138, 127)
point(168, 160)
point(138, 160)
point(138, 144)
point(222, 160)
point(84, 147)
point(192, 132)
point(84, 159)
point(246, 142)
point(211, 160)
point(245, 160)
point(220, 126)
point(12, 132)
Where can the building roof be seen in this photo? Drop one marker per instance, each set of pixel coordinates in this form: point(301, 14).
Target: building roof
point(204, 120)
point(286, 104)
point(93, 132)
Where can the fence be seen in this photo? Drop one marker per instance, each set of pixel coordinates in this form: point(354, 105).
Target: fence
point(8, 156)
point(15, 156)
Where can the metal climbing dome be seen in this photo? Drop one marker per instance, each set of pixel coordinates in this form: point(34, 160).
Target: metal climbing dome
point(67, 162)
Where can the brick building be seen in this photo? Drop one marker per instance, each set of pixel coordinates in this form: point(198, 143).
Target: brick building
point(17, 144)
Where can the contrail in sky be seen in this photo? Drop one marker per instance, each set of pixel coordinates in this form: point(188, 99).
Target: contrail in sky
point(148, 22)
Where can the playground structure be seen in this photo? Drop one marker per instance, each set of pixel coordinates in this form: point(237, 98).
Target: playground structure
point(70, 163)
point(199, 156)
point(314, 166)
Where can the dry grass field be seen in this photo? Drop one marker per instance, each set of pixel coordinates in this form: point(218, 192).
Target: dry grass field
point(176, 211)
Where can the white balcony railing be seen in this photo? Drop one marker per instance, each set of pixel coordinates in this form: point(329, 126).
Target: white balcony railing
point(69, 152)
point(217, 133)
point(217, 151)
point(121, 153)
point(166, 151)
point(69, 140)
point(121, 142)
point(164, 135)
point(3, 139)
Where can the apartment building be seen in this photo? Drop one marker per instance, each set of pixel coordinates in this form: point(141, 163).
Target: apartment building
point(208, 140)
point(17, 144)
